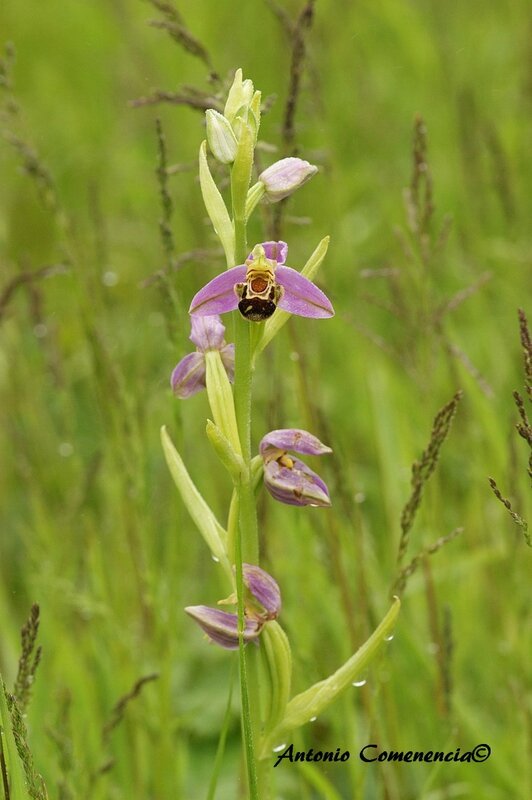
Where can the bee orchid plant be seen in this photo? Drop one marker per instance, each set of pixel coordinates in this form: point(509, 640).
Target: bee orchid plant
point(263, 292)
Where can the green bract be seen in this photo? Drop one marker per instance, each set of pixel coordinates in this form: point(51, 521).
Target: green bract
point(216, 208)
point(274, 325)
point(303, 707)
point(239, 97)
point(225, 451)
point(221, 398)
point(201, 514)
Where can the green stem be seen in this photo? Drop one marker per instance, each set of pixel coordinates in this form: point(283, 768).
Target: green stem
point(249, 722)
point(246, 540)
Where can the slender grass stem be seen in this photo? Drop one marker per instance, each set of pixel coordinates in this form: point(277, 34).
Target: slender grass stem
point(5, 780)
point(222, 740)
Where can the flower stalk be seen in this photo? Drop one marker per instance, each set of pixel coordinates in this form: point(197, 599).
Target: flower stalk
point(247, 537)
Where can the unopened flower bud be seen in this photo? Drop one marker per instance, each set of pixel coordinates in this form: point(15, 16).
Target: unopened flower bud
point(285, 176)
point(189, 376)
point(222, 627)
point(222, 140)
point(208, 333)
point(265, 591)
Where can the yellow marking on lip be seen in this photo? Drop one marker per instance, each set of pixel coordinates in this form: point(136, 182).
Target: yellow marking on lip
point(285, 461)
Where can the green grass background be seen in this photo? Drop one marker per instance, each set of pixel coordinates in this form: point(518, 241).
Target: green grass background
point(92, 527)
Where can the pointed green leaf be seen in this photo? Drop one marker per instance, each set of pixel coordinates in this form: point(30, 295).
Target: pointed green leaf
point(275, 323)
point(313, 701)
point(221, 399)
point(225, 451)
point(277, 662)
point(216, 209)
point(234, 97)
point(201, 514)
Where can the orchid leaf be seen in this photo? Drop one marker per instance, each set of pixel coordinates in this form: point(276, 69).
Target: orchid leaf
point(200, 512)
point(216, 208)
point(225, 451)
point(276, 322)
point(277, 660)
point(315, 700)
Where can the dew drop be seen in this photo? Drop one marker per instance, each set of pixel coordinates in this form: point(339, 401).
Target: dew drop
point(313, 719)
point(360, 497)
point(279, 748)
point(215, 559)
point(65, 449)
point(388, 638)
point(359, 683)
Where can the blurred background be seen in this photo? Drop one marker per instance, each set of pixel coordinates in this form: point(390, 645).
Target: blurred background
point(418, 115)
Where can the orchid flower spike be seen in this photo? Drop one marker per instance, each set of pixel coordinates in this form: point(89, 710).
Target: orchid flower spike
point(288, 479)
point(261, 604)
point(261, 285)
point(207, 333)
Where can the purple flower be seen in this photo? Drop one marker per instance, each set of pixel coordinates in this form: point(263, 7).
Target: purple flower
point(207, 333)
point(222, 627)
point(285, 176)
point(265, 595)
point(262, 603)
point(261, 285)
point(288, 479)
